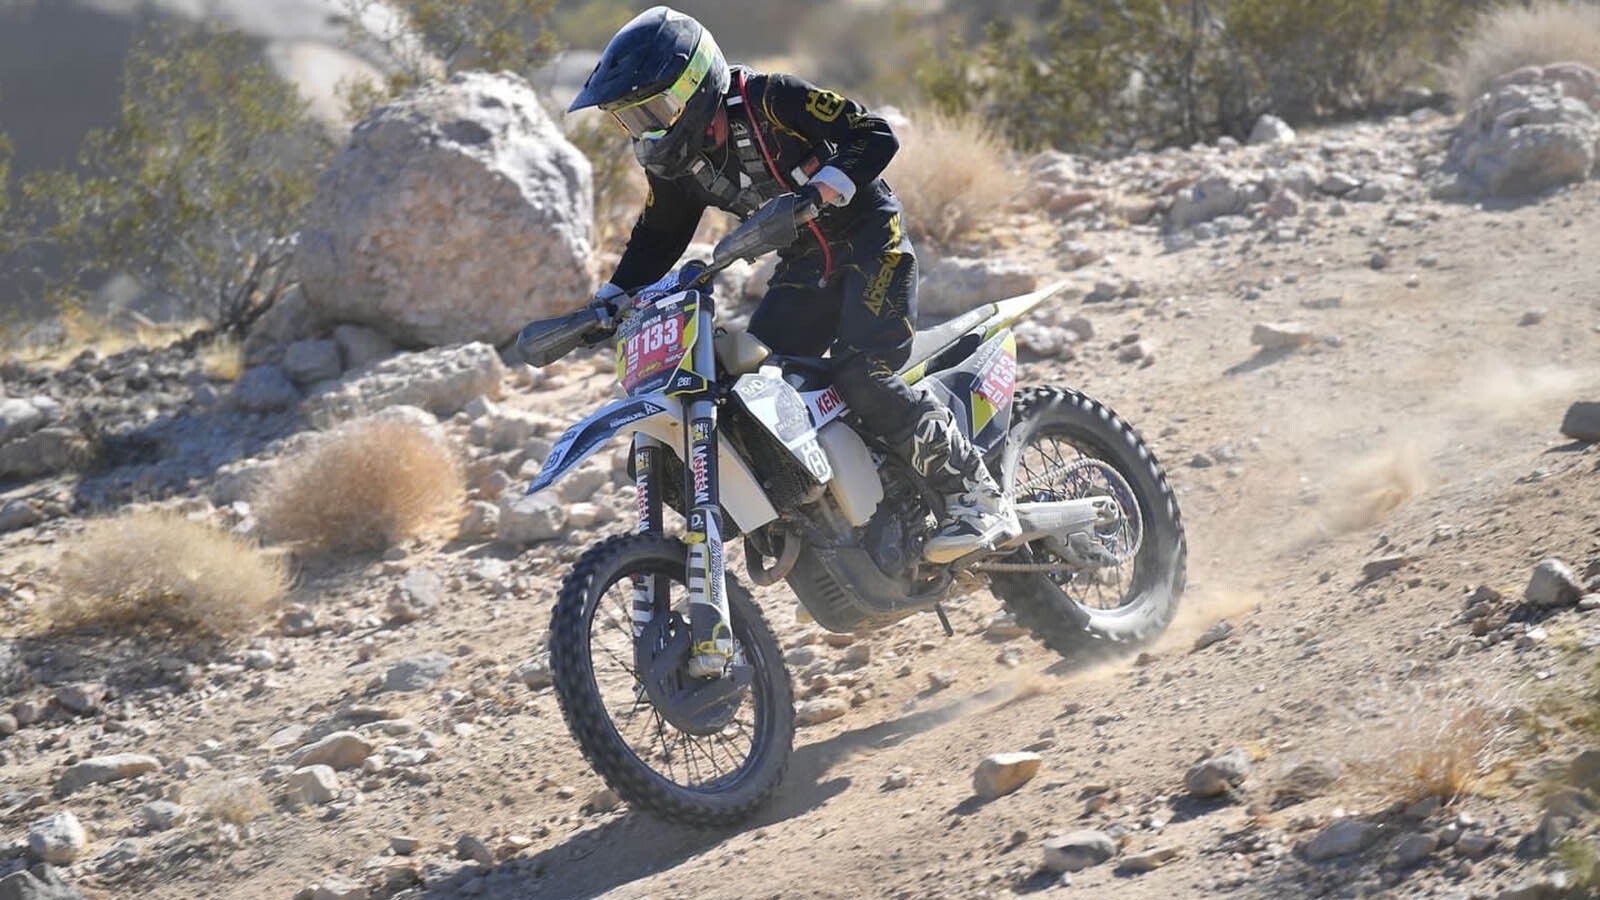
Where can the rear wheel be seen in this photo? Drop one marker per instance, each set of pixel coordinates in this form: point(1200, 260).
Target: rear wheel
point(698, 753)
point(1064, 445)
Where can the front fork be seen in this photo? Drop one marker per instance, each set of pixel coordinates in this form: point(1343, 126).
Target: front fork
point(709, 621)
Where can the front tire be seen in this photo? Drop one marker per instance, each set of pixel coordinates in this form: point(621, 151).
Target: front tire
point(704, 780)
point(1059, 440)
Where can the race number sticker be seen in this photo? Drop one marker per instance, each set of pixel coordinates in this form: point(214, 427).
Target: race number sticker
point(653, 349)
point(1000, 380)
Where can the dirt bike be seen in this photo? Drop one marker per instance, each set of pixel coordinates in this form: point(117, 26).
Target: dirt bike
point(667, 673)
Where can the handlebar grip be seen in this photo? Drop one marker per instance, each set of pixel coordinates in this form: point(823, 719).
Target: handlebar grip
point(547, 340)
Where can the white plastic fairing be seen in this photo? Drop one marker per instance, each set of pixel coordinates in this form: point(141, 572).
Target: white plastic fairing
point(855, 485)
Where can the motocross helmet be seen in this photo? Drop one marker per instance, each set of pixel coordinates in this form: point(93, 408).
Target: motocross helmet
point(661, 78)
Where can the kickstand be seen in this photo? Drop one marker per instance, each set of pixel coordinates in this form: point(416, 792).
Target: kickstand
point(944, 620)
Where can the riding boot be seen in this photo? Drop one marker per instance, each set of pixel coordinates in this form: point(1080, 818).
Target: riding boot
point(977, 513)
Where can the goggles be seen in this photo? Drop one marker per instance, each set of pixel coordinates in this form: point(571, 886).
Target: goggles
point(652, 116)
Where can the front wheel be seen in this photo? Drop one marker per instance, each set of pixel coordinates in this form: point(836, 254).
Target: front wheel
point(644, 726)
point(1064, 445)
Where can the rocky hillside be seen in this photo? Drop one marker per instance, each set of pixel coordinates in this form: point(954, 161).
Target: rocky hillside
point(1380, 683)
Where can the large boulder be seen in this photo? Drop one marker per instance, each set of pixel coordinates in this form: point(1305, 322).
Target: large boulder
point(457, 213)
point(1538, 128)
point(953, 285)
point(441, 381)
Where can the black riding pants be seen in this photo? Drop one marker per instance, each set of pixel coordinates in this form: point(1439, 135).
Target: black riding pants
point(864, 313)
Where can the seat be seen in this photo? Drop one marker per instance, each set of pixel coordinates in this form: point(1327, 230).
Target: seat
point(927, 343)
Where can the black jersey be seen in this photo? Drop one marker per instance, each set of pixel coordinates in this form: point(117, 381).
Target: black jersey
point(800, 129)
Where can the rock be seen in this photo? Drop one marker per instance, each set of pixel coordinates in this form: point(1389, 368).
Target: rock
point(360, 346)
point(1372, 191)
point(57, 839)
point(1283, 204)
point(258, 659)
point(581, 484)
point(535, 673)
point(161, 815)
point(417, 595)
point(952, 285)
point(1581, 423)
point(340, 888)
point(40, 882)
point(1373, 569)
point(1309, 778)
point(473, 848)
point(265, 389)
point(441, 381)
point(530, 518)
point(1475, 844)
point(1529, 134)
point(1216, 634)
point(340, 750)
point(899, 777)
point(82, 698)
point(1219, 774)
point(1555, 885)
point(1412, 849)
point(1149, 860)
point(603, 800)
point(1532, 317)
point(1078, 850)
point(308, 362)
point(19, 418)
point(312, 786)
point(299, 621)
point(102, 769)
point(8, 724)
point(1214, 195)
point(1080, 326)
point(1337, 184)
point(1001, 773)
point(458, 213)
point(417, 673)
point(1271, 130)
point(45, 452)
point(1281, 335)
point(1341, 838)
point(403, 844)
point(17, 515)
point(481, 522)
point(1552, 585)
point(822, 709)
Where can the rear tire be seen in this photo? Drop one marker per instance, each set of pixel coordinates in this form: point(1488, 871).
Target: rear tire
point(690, 787)
point(1053, 607)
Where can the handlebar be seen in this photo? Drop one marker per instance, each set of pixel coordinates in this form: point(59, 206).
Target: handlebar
point(772, 227)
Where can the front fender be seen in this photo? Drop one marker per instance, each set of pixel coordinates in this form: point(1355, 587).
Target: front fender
point(660, 417)
point(581, 440)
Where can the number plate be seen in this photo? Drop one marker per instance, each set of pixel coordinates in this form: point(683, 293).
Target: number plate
point(653, 343)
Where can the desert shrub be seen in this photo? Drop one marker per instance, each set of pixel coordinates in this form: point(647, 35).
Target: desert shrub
point(237, 801)
point(952, 172)
point(1510, 37)
point(1118, 74)
point(158, 568)
point(222, 359)
point(195, 191)
point(1437, 749)
point(365, 486)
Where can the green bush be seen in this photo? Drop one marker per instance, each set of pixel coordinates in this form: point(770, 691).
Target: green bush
point(1119, 74)
point(195, 191)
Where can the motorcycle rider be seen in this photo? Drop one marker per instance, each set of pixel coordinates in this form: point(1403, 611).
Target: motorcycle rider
point(708, 134)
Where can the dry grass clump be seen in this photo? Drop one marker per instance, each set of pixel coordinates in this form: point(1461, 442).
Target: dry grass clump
point(238, 801)
point(223, 359)
point(953, 173)
point(1510, 37)
point(1443, 751)
point(366, 486)
point(160, 568)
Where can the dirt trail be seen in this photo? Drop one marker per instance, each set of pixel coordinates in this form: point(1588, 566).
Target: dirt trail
point(1421, 423)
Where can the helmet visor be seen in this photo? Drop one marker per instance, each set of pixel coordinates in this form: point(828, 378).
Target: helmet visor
point(657, 113)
